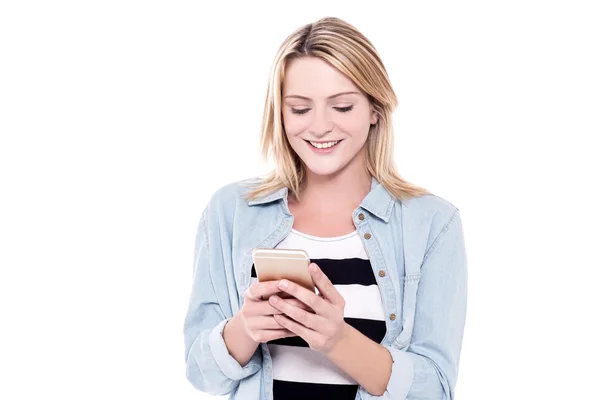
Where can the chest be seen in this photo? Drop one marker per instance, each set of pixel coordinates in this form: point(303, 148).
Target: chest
point(383, 241)
point(322, 222)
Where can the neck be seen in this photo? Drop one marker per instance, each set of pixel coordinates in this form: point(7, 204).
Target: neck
point(346, 188)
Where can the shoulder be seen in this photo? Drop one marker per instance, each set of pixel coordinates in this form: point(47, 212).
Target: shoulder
point(226, 198)
point(229, 192)
point(430, 214)
point(429, 204)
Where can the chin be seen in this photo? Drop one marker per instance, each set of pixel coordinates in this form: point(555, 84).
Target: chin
point(324, 170)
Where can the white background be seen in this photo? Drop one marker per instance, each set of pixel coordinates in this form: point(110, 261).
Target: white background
point(119, 119)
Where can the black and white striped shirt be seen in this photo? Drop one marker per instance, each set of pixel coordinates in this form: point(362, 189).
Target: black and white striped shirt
point(300, 372)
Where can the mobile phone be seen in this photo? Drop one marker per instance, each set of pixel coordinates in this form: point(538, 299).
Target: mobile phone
point(290, 264)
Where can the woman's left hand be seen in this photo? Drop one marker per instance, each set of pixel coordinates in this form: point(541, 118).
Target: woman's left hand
point(323, 329)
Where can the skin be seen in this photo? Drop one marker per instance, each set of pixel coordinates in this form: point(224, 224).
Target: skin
point(325, 330)
point(324, 119)
point(255, 322)
point(336, 184)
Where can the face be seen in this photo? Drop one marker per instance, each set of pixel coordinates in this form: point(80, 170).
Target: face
point(325, 116)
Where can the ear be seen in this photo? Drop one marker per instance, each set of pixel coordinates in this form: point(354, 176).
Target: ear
point(374, 118)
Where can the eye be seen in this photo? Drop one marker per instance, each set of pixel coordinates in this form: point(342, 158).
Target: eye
point(300, 112)
point(339, 109)
point(344, 109)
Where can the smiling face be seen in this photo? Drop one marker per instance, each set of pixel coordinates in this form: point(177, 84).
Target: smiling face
point(325, 116)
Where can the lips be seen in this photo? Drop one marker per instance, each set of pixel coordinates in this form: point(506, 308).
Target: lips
point(329, 141)
point(326, 150)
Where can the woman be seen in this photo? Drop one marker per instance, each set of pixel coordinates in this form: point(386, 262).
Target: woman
point(372, 237)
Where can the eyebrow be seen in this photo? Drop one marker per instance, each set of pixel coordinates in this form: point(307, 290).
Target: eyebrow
point(329, 98)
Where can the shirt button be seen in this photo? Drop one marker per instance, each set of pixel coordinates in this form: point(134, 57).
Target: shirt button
point(381, 273)
point(392, 316)
point(367, 236)
point(361, 216)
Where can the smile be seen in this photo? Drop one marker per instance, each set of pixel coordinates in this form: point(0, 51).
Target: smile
point(323, 145)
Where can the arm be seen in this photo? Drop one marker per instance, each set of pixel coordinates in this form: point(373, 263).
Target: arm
point(209, 366)
point(428, 369)
point(368, 362)
point(239, 344)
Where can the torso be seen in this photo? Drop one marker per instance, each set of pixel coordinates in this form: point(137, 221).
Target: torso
point(300, 372)
point(309, 219)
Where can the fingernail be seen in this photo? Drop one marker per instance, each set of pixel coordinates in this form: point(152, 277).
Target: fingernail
point(283, 284)
point(273, 299)
point(312, 267)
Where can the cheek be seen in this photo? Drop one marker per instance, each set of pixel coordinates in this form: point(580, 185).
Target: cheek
point(293, 125)
point(355, 126)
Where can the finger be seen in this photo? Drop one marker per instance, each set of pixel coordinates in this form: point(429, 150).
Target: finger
point(261, 290)
point(305, 333)
point(264, 336)
point(295, 302)
point(249, 295)
point(325, 286)
point(265, 289)
point(308, 297)
point(265, 308)
point(306, 318)
point(262, 322)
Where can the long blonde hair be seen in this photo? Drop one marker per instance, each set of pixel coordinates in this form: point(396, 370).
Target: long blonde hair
point(345, 48)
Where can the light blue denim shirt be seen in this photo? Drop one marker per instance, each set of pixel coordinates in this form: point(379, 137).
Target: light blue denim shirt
point(418, 244)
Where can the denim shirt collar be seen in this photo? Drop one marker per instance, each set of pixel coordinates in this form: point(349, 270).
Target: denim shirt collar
point(378, 201)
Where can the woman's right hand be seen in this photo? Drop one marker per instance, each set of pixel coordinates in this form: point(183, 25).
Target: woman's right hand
point(257, 313)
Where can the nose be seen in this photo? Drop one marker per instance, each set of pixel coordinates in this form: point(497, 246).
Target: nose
point(321, 125)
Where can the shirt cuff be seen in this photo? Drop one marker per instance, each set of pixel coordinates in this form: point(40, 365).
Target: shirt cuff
point(401, 378)
point(229, 365)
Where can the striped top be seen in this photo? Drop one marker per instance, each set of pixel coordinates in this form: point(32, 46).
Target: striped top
point(300, 372)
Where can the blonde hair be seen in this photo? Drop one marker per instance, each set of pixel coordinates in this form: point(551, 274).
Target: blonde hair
point(345, 48)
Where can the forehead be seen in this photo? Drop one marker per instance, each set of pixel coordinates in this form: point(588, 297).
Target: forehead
point(315, 78)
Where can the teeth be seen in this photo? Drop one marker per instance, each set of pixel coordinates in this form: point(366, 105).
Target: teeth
point(324, 145)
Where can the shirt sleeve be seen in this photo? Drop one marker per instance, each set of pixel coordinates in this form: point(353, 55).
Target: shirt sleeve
point(428, 368)
point(209, 366)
